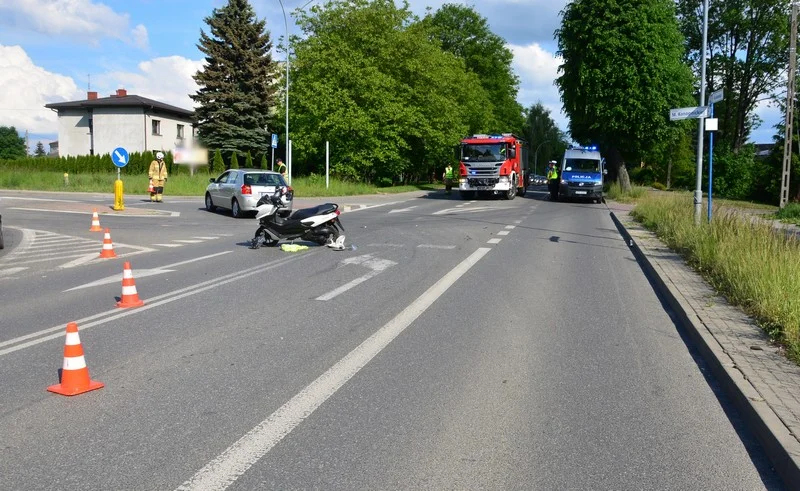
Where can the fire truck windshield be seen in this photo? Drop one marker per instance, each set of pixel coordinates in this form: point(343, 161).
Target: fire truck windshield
point(483, 153)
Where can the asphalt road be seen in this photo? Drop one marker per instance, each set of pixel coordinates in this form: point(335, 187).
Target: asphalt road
point(483, 344)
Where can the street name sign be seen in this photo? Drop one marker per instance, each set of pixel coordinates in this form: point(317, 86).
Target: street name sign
point(688, 113)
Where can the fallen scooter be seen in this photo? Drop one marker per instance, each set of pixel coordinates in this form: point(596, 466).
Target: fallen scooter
point(319, 224)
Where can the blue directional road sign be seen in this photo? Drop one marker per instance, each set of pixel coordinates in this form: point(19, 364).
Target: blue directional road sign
point(120, 157)
point(274, 140)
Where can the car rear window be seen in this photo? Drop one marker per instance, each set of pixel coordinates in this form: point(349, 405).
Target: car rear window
point(263, 180)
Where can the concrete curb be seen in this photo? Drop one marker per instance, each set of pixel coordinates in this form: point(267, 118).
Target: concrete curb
point(782, 449)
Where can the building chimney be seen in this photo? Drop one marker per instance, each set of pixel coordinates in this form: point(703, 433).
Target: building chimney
point(91, 96)
point(122, 92)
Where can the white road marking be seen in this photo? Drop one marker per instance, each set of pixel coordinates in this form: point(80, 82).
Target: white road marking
point(161, 213)
point(350, 209)
point(144, 272)
point(377, 266)
point(140, 273)
point(494, 241)
point(81, 260)
point(435, 246)
point(461, 210)
point(503, 232)
point(510, 227)
point(517, 221)
point(206, 238)
point(385, 245)
point(20, 198)
point(169, 245)
point(239, 457)
point(188, 241)
point(10, 271)
point(111, 315)
point(402, 210)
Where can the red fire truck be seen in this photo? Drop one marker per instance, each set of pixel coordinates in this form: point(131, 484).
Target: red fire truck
point(493, 164)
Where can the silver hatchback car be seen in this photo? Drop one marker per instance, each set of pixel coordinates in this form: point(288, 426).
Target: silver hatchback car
point(240, 189)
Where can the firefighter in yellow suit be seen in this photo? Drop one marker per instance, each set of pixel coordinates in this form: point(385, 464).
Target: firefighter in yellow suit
point(158, 174)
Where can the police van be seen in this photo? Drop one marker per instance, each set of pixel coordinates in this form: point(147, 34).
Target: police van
point(582, 174)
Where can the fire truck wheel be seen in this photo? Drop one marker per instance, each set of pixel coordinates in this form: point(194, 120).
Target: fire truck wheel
point(467, 194)
point(512, 191)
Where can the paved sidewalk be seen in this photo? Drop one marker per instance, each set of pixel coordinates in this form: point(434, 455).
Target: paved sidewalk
point(762, 383)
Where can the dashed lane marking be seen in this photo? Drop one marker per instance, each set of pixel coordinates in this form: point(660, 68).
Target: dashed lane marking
point(494, 241)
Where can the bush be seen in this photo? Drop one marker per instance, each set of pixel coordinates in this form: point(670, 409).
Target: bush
point(659, 186)
point(791, 212)
point(384, 182)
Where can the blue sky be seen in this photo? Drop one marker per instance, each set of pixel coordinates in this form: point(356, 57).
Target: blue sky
point(51, 50)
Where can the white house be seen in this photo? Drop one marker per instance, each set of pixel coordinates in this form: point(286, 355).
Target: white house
point(98, 125)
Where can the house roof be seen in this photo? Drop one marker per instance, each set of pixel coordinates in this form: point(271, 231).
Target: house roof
point(121, 101)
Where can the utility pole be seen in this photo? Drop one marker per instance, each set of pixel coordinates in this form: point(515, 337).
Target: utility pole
point(787, 143)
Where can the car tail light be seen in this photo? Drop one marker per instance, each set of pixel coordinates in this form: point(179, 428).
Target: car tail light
point(246, 189)
point(338, 213)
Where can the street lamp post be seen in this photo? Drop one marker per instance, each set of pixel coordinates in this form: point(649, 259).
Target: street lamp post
point(698, 190)
point(286, 42)
point(536, 157)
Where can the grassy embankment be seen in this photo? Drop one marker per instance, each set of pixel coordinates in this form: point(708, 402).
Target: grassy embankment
point(180, 184)
point(755, 266)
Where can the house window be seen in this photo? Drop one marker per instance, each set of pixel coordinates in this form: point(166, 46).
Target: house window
point(180, 132)
point(156, 127)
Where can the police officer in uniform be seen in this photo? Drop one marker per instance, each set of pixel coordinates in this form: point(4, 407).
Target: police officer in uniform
point(552, 180)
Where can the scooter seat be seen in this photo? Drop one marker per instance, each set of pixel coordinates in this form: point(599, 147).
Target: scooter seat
point(317, 210)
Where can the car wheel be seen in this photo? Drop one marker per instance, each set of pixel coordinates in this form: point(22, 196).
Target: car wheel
point(235, 210)
point(210, 203)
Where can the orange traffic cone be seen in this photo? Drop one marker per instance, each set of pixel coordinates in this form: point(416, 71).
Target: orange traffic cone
point(151, 189)
point(74, 374)
point(108, 247)
point(129, 296)
point(95, 222)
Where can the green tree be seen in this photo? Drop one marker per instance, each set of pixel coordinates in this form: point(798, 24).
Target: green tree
point(622, 73)
point(547, 141)
point(217, 164)
point(263, 164)
point(748, 44)
point(389, 100)
point(40, 151)
point(237, 92)
point(461, 30)
point(248, 160)
point(12, 146)
point(234, 161)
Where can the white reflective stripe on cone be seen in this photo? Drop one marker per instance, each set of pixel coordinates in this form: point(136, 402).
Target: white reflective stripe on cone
point(74, 363)
point(127, 274)
point(129, 290)
point(73, 339)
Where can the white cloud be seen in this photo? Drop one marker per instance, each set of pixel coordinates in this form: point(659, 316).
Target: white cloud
point(140, 37)
point(26, 88)
point(166, 79)
point(81, 20)
point(538, 69)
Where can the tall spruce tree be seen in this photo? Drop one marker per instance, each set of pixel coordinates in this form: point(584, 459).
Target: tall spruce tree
point(237, 84)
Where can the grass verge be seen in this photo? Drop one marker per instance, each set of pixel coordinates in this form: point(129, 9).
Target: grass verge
point(182, 184)
point(614, 192)
point(753, 265)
